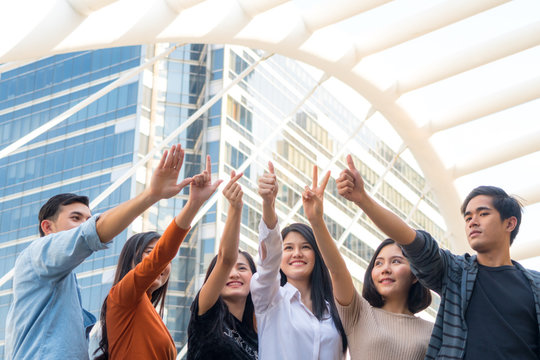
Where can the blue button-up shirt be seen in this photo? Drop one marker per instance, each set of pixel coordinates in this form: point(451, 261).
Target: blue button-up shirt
point(46, 319)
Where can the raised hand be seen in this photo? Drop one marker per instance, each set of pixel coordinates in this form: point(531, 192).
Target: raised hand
point(313, 197)
point(350, 184)
point(268, 189)
point(164, 179)
point(268, 185)
point(233, 191)
point(201, 186)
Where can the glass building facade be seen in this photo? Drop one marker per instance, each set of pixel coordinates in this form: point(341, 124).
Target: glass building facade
point(87, 152)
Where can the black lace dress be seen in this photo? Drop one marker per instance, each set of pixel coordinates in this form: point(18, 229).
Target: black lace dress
point(236, 341)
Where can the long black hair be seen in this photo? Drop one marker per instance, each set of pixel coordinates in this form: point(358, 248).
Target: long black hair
point(224, 314)
point(419, 296)
point(130, 256)
point(321, 283)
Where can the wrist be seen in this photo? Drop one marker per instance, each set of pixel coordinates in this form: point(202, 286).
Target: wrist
point(150, 196)
point(196, 204)
point(235, 208)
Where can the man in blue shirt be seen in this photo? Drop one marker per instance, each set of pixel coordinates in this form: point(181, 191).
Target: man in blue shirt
point(46, 319)
point(490, 305)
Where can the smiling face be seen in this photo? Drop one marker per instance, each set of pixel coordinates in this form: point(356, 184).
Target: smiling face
point(485, 230)
point(391, 273)
point(298, 257)
point(164, 276)
point(237, 285)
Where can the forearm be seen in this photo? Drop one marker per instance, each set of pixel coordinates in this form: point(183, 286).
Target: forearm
point(269, 214)
point(341, 277)
point(387, 221)
point(228, 247)
point(115, 220)
point(187, 214)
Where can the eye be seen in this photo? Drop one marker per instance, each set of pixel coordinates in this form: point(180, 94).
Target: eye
point(378, 263)
point(484, 214)
point(306, 247)
point(287, 247)
point(397, 261)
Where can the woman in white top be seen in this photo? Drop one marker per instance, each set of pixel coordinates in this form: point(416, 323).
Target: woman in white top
point(295, 310)
point(380, 324)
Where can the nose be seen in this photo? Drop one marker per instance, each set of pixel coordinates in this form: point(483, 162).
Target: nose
point(234, 273)
point(297, 252)
point(473, 221)
point(386, 268)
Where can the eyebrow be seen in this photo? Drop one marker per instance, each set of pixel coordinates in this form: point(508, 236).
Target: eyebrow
point(480, 208)
point(392, 257)
point(291, 242)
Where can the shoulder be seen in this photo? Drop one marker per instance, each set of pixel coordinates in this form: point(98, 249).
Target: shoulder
point(533, 274)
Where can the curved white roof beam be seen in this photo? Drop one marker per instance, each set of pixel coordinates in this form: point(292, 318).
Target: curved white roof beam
point(525, 145)
point(509, 97)
point(424, 22)
point(491, 50)
point(46, 27)
point(323, 14)
point(86, 7)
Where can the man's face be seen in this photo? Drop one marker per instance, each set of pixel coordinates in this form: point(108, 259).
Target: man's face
point(485, 230)
point(69, 217)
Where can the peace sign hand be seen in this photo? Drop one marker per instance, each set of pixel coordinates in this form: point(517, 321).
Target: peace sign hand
point(313, 197)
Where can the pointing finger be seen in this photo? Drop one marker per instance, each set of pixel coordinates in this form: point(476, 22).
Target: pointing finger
point(350, 162)
point(271, 167)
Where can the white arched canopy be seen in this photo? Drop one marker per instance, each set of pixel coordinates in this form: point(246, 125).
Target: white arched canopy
point(458, 80)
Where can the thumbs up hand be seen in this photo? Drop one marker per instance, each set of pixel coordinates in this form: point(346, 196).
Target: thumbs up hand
point(268, 185)
point(350, 184)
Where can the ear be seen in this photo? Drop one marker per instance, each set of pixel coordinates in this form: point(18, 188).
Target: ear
point(511, 223)
point(47, 226)
point(414, 279)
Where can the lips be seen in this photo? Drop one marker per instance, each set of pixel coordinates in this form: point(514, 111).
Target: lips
point(235, 283)
point(297, 263)
point(387, 281)
point(474, 232)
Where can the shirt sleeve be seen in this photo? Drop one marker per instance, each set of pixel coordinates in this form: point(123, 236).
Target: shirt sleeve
point(56, 255)
point(265, 283)
point(428, 261)
point(351, 313)
point(137, 281)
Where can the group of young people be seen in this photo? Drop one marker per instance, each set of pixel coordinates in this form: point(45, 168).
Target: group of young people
point(298, 302)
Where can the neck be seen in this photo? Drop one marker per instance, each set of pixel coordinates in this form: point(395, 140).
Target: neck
point(236, 307)
point(304, 287)
point(495, 258)
point(397, 306)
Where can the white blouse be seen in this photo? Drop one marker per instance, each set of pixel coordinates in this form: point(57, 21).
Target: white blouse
point(287, 328)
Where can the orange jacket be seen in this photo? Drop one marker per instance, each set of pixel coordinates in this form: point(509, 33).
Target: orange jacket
point(134, 328)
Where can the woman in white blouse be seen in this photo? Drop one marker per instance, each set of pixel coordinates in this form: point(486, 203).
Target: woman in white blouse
point(295, 310)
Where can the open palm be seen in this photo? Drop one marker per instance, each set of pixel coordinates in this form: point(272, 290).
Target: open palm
point(164, 179)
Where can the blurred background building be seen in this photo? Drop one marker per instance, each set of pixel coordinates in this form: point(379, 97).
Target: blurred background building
point(279, 112)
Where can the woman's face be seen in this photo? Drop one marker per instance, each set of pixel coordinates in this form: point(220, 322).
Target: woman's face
point(164, 276)
point(298, 257)
point(237, 286)
point(391, 273)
